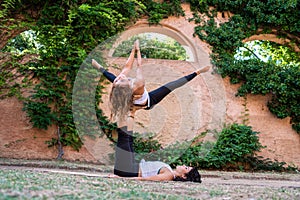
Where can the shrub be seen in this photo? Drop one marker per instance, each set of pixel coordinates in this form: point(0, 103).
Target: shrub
point(235, 149)
point(236, 143)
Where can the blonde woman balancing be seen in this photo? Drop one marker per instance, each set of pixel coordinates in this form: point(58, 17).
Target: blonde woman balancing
point(128, 95)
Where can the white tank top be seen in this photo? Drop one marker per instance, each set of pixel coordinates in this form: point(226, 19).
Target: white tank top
point(143, 99)
point(151, 168)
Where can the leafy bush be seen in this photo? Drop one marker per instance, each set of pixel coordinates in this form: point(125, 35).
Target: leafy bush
point(235, 144)
point(266, 164)
point(235, 149)
point(40, 114)
point(24, 43)
point(144, 145)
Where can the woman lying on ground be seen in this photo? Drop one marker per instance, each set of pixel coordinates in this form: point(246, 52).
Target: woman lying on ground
point(126, 165)
point(127, 91)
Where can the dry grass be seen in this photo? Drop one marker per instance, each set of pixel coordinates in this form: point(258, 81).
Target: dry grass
point(24, 179)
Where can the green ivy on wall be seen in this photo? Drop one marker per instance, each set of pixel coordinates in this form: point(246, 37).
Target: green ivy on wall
point(69, 30)
point(257, 77)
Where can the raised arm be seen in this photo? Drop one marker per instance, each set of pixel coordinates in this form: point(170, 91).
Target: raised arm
point(139, 72)
point(140, 81)
point(128, 65)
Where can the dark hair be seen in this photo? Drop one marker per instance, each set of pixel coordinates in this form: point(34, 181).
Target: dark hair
point(192, 175)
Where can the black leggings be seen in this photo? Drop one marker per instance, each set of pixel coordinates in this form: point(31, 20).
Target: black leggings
point(125, 163)
point(158, 94)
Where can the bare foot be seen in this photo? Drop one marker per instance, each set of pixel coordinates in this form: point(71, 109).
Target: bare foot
point(137, 45)
point(96, 65)
point(203, 70)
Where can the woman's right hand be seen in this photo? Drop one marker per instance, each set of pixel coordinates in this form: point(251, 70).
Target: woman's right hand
point(134, 108)
point(136, 96)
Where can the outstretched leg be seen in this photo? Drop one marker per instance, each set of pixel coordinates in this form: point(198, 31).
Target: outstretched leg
point(110, 76)
point(157, 95)
point(128, 66)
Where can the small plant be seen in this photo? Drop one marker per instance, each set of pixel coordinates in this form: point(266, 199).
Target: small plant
point(40, 114)
point(144, 145)
point(245, 112)
point(266, 164)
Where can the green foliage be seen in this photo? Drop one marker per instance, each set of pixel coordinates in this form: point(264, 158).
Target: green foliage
point(278, 73)
point(169, 154)
point(25, 43)
point(40, 114)
point(264, 14)
point(265, 164)
point(153, 47)
point(5, 6)
point(66, 31)
point(157, 11)
point(12, 81)
point(144, 145)
point(6, 88)
point(62, 33)
point(235, 148)
point(235, 144)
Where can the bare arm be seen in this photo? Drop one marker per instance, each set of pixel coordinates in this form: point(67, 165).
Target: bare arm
point(159, 177)
point(139, 71)
point(129, 63)
point(140, 81)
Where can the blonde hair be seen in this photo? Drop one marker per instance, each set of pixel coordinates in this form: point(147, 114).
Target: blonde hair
point(120, 101)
